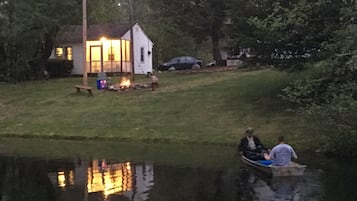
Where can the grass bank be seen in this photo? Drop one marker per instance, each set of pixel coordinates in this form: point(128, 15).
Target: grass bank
point(206, 108)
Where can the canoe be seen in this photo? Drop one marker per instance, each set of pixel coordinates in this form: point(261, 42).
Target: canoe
point(294, 169)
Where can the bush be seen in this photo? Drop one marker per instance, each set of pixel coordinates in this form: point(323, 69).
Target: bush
point(329, 97)
point(59, 68)
point(336, 122)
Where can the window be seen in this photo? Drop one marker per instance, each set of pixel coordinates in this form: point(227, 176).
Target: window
point(111, 57)
point(69, 53)
point(142, 55)
point(125, 45)
point(127, 51)
point(59, 52)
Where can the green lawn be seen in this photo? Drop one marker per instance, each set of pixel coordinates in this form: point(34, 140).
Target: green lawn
point(207, 108)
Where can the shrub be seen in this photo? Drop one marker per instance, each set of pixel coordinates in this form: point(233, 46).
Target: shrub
point(59, 68)
point(329, 97)
point(336, 122)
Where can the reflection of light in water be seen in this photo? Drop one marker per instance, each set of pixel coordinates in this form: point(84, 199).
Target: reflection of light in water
point(61, 179)
point(109, 179)
point(132, 181)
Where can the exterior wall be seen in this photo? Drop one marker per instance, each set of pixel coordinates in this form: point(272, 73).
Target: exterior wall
point(77, 59)
point(141, 41)
point(77, 54)
point(234, 62)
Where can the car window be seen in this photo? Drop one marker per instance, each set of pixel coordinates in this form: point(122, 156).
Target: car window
point(182, 60)
point(190, 59)
point(174, 60)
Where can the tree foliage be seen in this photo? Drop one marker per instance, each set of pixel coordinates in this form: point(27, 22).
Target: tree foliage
point(201, 19)
point(28, 28)
point(169, 40)
point(283, 32)
point(329, 96)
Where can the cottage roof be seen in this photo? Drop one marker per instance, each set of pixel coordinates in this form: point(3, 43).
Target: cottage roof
point(73, 33)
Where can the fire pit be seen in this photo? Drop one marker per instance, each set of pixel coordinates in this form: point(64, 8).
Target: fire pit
point(126, 85)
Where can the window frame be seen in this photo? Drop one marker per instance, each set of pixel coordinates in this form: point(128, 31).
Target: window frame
point(71, 53)
point(142, 55)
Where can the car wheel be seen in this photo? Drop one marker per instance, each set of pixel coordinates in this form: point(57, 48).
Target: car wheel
point(171, 68)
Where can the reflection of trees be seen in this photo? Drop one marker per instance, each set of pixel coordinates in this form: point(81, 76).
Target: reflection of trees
point(192, 184)
point(340, 182)
point(20, 181)
point(176, 184)
point(244, 191)
point(253, 186)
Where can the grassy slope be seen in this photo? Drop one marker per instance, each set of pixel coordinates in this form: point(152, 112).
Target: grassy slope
point(186, 108)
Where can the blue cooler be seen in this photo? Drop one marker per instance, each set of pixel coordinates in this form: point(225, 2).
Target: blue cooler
point(101, 84)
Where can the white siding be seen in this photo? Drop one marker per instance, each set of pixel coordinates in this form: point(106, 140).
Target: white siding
point(77, 59)
point(77, 52)
point(141, 41)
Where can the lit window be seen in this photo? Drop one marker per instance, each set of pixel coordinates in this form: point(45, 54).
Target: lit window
point(69, 53)
point(111, 57)
point(127, 51)
point(61, 179)
point(142, 55)
point(59, 52)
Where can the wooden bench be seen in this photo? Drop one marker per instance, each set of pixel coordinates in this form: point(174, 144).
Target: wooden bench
point(79, 87)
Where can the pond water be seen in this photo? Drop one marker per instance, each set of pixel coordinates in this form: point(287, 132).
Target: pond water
point(88, 178)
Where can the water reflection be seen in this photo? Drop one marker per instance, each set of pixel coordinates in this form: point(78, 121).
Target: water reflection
point(259, 187)
point(81, 179)
point(102, 180)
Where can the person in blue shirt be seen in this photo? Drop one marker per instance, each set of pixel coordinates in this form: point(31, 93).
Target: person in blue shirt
point(282, 153)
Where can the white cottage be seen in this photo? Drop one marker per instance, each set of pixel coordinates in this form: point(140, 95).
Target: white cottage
point(108, 48)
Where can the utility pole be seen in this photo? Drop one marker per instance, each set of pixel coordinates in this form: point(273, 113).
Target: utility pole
point(131, 40)
point(84, 41)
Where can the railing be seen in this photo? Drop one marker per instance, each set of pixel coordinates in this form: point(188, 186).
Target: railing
point(109, 66)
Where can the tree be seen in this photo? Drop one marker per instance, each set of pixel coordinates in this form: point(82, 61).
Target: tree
point(329, 96)
point(201, 19)
point(283, 31)
point(27, 34)
point(107, 11)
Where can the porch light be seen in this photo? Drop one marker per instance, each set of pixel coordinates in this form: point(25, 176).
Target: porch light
point(103, 39)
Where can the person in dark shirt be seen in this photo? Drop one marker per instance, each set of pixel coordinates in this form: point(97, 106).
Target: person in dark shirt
point(251, 147)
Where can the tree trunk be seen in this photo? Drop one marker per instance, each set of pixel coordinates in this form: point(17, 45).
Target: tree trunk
point(215, 47)
point(216, 35)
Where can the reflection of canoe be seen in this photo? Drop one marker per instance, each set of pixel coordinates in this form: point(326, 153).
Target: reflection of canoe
point(294, 169)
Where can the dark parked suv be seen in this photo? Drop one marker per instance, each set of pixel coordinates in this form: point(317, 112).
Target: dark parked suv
point(181, 63)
